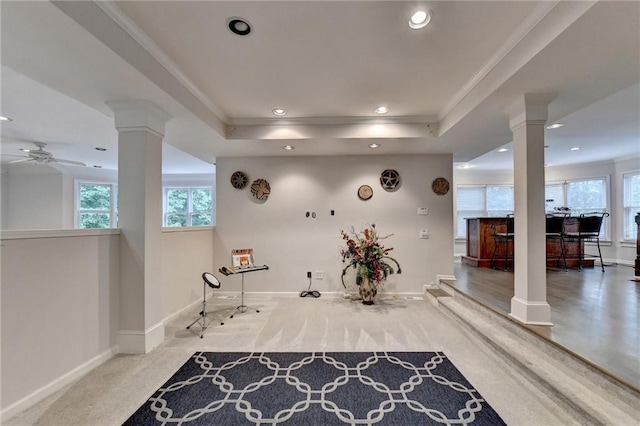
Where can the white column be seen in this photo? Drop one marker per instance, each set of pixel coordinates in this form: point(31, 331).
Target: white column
point(527, 119)
point(140, 131)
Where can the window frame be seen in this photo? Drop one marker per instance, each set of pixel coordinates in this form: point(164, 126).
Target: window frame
point(606, 234)
point(190, 212)
point(113, 207)
point(626, 207)
point(484, 212)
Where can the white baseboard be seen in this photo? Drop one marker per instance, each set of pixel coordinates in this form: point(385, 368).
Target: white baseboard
point(54, 386)
point(141, 342)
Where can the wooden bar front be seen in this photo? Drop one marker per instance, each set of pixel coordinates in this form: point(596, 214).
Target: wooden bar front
point(480, 245)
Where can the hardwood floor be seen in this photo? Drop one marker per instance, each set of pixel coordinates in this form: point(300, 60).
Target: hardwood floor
point(596, 315)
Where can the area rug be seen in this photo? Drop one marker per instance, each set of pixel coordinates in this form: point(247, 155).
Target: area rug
point(318, 388)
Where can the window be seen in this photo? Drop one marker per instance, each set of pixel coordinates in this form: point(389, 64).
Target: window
point(188, 206)
point(96, 205)
point(481, 201)
point(581, 196)
point(631, 204)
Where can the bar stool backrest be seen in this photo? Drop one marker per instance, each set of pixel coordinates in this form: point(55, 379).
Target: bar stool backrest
point(555, 224)
point(589, 225)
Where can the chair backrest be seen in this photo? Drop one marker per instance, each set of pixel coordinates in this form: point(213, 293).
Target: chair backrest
point(590, 224)
point(510, 224)
point(555, 224)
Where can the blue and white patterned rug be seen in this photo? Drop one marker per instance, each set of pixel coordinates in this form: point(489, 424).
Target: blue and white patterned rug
point(319, 388)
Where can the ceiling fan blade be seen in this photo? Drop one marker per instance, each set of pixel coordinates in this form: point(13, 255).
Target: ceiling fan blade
point(12, 155)
point(22, 160)
point(69, 162)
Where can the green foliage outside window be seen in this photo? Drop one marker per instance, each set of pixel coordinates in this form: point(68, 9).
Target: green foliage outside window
point(95, 197)
point(94, 206)
point(188, 207)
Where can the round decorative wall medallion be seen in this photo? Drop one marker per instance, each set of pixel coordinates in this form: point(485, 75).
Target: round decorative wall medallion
point(239, 180)
point(390, 179)
point(440, 186)
point(365, 192)
point(260, 189)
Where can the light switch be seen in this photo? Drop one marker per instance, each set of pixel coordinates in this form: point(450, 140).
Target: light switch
point(423, 211)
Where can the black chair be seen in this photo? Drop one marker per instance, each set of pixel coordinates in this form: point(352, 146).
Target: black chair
point(208, 280)
point(554, 228)
point(588, 229)
point(503, 236)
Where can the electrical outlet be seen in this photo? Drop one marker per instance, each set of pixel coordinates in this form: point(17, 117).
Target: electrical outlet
point(423, 211)
point(424, 234)
point(319, 275)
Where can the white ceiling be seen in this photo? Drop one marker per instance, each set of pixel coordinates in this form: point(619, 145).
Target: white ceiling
point(329, 63)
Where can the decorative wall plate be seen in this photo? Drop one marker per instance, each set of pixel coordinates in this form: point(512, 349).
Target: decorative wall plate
point(390, 179)
point(365, 192)
point(440, 186)
point(260, 189)
point(239, 180)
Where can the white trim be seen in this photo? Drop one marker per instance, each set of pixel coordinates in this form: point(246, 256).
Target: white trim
point(127, 24)
point(328, 121)
point(141, 342)
point(532, 313)
point(628, 243)
point(514, 39)
point(56, 233)
point(186, 229)
point(57, 384)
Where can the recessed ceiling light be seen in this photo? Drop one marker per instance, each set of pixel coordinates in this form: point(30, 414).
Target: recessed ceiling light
point(25, 150)
point(3, 118)
point(239, 26)
point(98, 167)
point(288, 148)
point(466, 166)
point(100, 149)
point(503, 150)
point(420, 19)
point(279, 111)
point(382, 110)
point(554, 126)
point(374, 145)
point(546, 146)
point(575, 148)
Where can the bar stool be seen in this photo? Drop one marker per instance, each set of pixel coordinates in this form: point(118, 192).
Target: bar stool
point(589, 226)
point(503, 239)
point(555, 227)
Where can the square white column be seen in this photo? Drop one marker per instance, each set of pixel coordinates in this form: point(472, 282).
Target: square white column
point(140, 131)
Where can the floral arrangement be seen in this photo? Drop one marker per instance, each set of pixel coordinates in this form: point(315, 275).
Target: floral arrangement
point(365, 253)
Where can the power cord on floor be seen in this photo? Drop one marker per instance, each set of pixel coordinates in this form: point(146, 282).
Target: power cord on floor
point(308, 291)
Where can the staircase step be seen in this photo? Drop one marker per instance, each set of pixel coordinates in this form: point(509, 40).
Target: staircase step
point(589, 395)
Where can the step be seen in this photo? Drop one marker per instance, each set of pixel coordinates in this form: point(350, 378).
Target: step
point(589, 395)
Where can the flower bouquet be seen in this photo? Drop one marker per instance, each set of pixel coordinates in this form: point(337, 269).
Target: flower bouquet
point(369, 258)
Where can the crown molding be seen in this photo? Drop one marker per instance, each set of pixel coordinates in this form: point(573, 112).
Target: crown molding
point(532, 21)
point(130, 27)
point(328, 121)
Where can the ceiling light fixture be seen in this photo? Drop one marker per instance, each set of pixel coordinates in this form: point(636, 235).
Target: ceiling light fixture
point(100, 148)
point(382, 110)
point(239, 26)
point(374, 145)
point(279, 111)
point(503, 150)
point(288, 148)
point(98, 167)
point(3, 118)
point(554, 126)
point(466, 166)
point(420, 19)
point(25, 150)
point(575, 148)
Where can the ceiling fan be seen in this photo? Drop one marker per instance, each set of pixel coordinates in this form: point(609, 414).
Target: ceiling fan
point(41, 156)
